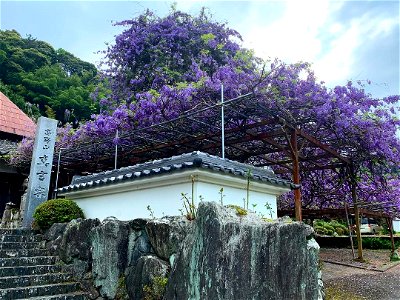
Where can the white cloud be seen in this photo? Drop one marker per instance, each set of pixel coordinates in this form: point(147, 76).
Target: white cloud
point(308, 31)
point(336, 65)
point(295, 35)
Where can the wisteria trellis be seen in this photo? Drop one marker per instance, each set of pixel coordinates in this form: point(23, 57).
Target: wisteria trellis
point(160, 68)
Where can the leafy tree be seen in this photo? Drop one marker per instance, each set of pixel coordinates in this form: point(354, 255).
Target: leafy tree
point(53, 80)
point(28, 108)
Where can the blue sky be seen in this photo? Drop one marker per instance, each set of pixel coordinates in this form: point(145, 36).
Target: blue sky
point(344, 40)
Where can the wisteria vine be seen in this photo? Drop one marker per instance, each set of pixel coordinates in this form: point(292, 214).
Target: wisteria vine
point(159, 68)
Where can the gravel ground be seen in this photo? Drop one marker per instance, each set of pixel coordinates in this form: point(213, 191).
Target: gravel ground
point(360, 282)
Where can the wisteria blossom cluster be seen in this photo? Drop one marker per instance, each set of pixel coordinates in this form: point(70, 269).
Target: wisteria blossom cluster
point(159, 68)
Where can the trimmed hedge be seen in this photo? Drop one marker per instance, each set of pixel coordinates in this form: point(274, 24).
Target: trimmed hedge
point(330, 228)
point(56, 211)
point(378, 243)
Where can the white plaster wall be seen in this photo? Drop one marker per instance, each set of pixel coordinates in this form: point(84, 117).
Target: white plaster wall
point(396, 225)
point(237, 196)
point(129, 200)
point(128, 205)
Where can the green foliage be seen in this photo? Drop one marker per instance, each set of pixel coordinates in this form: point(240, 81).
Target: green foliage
point(189, 204)
point(248, 176)
point(332, 227)
point(34, 73)
point(269, 209)
point(156, 290)
point(50, 112)
point(394, 256)
point(56, 211)
point(190, 207)
point(122, 293)
point(30, 110)
point(239, 210)
point(378, 243)
point(151, 211)
point(221, 196)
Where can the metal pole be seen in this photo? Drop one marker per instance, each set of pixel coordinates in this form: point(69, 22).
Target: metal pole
point(116, 149)
point(222, 122)
point(58, 172)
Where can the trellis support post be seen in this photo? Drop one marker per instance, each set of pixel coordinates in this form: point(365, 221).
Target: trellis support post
point(296, 175)
point(353, 184)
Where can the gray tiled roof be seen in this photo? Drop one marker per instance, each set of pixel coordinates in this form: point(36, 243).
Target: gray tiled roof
point(192, 160)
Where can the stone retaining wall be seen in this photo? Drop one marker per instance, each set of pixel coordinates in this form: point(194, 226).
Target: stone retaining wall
point(222, 254)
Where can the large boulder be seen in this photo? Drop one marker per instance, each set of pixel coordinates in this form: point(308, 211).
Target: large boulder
point(138, 241)
point(75, 243)
point(138, 246)
point(53, 237)
point(243, 257)
point(109, 243)
point(167, 234)
point(147, 269)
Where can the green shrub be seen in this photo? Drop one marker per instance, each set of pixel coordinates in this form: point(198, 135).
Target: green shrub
point(56, 211)
point(378, 243)
point(330, 228)
point(339, 231)
point(320, 230)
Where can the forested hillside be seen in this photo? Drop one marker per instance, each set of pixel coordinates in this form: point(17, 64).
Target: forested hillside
point(44, 81)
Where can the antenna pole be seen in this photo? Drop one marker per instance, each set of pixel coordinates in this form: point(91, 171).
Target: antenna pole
point(222, 122)
point(116, 150)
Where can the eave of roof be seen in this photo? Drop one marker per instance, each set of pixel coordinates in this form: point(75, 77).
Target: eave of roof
point(13, 120)
point(194, 160)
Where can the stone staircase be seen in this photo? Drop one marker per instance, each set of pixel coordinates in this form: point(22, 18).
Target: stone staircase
point(27, 271)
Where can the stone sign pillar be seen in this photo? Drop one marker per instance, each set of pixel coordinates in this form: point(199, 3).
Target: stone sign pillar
point(40, 173)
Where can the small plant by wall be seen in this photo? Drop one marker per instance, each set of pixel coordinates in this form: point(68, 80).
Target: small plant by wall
point(155, 290)
point(56, 211)
point(239, 210)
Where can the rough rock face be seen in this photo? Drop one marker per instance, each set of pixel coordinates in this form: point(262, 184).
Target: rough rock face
point(75, 242)
point(167, 234)
point(139, 245)
point(243, 257)
point(109, 245)
point(53, 237)
point(148, 267)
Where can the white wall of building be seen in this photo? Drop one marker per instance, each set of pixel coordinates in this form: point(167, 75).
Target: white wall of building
point(163, 193)
point(396, 225)
point(238, 196)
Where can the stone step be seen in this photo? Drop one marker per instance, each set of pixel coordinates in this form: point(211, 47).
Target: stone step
point(70, 296)
point(20, 245)
point(4, 253)
point(17, 231)
point(21, 238)
point(28, 261)
point(39, 291)
point(32, 280)
point(29, 270)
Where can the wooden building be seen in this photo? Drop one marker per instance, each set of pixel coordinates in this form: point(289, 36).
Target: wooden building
point(14, 126)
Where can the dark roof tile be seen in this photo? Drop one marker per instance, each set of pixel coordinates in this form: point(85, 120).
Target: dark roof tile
point(168, 165)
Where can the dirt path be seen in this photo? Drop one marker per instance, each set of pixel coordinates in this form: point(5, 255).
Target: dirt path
point(343, 282)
